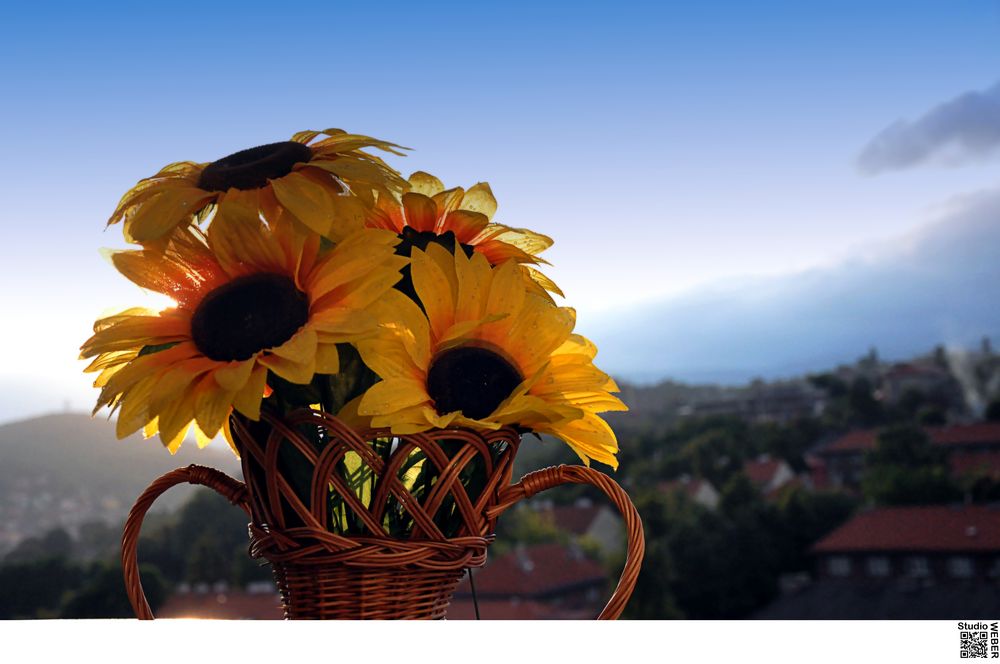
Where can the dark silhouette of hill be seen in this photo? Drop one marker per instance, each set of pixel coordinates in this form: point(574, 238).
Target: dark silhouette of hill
point(66, 469)
point(73, 450)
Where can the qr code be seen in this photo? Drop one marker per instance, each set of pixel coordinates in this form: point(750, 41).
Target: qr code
point(974, 644)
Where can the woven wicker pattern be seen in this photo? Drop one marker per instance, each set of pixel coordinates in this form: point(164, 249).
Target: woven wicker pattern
point(275, 505)
point(354, 592)
point(325, 574)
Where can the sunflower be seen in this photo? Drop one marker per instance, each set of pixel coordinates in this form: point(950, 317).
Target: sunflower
point(489, 352)
point(428, 213)
point(327, 185)
point(251, 299)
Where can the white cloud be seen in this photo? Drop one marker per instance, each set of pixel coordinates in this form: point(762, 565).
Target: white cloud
point(965, 129)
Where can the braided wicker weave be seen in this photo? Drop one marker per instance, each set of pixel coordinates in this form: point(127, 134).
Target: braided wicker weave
point(326, 570)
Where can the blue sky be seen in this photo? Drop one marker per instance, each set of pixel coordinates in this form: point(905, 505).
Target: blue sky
point(665, 146)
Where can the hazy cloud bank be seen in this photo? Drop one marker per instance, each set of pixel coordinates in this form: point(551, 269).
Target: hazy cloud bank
point(938, 285)
point(964, 129)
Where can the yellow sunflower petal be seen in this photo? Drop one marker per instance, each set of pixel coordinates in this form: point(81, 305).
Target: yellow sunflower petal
point(473, 278)
point(414, 420)
point(355, 256)
point(506, 290)
point(241, 244)
point(338, 325)
point(479, 198)
point(528, 241)
point(425, 183)
point(308, 201)
point(201, 438)
point(175, 380)
point(327, 359)
point(149, 272)
point(435, 291)
point(349, 415)
point(134, 413)
point(227, 432)
point(232, 376)
point(391, 395)
point(446, 202)
point(543, 281)
point(361, 293)
point(591, 438)
point(173, 442)
point(466, 225)
point(212, 405)
point(248, 399)
point(421, 212)
point(142, 330)
point(176, 419)
point(300, 348)
point(294, 372)
point(164, 211)
point(387, 356)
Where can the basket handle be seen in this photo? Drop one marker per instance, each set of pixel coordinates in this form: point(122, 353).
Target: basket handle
point(540, 480)
point(233, 490)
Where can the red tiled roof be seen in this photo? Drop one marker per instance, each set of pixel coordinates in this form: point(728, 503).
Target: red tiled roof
point(971, 528)
point(230, 605)
point(986, 462)
point(962, 434)
point(761, 471)
point(968, 434)
point(535, 571)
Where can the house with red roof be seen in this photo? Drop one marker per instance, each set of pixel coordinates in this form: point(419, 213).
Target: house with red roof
point(770, 475)
point(902, 563)
point(925, 378)
point(938, 542)
point(596, 522)
point(697, 489)
point(532, 582)
point(971, 449)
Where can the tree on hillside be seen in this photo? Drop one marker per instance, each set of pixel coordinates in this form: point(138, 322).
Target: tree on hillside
point(652, 598)
point(905, 468)
point(55, 543)
point(102, 594)
point(807, 516)
point(35, 588)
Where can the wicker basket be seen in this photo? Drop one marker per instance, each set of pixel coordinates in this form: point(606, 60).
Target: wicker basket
point(366, 573)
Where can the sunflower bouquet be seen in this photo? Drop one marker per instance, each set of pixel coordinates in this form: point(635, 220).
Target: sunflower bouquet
point(318, 293)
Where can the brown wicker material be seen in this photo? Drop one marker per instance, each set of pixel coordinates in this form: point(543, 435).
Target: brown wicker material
point(323, 574)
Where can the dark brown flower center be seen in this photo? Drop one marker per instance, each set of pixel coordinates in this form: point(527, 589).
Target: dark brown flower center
point(247, 315)
point(421, 239)
point(472, 380)
point(252, 168)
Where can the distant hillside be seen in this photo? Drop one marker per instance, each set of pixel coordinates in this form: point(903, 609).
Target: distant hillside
point(67, 469)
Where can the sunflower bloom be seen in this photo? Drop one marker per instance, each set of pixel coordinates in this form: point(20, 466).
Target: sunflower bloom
point(326, 185)
point(489, 352)
point(428, 213)
point(251, 299)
